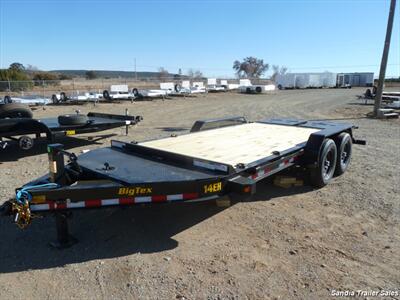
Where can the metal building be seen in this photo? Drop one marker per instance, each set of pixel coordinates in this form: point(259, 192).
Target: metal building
point(355, 79)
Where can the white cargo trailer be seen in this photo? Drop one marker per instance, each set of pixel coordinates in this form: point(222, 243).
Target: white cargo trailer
point(306, 80)
point(355, 79)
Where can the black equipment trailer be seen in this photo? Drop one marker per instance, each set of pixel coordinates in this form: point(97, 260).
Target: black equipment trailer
point(224, 157)
point(18, 129)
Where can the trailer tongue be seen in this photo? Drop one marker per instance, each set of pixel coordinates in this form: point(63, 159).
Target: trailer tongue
point(224, 157)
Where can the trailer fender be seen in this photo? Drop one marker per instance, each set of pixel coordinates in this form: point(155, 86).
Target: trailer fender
point(28, 126)
point(314, 144)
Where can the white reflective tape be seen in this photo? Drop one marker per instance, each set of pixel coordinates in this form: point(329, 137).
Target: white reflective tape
point(174, 197)
point(210, 165)
point(127, 122)
point(76, 204)
point(142, 199)
point(106, 202)
point(38, 207)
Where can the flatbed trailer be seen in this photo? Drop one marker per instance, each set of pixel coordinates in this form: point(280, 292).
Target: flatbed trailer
point(18, 129)
point(223, 157)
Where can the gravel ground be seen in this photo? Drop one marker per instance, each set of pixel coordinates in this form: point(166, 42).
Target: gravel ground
point(294, 243)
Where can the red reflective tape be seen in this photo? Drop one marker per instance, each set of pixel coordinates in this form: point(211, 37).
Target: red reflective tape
point(286, 162)
point(267, 170)
point(93, 203)
point(51, 205)
point(188, 196)
point(159, 198)
point(126, 201)
point(254, 176)
point(61, 206)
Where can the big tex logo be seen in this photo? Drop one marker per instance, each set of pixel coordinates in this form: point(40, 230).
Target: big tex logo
point(134, 191)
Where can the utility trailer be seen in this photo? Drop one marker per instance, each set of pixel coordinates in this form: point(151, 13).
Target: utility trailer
point(28, 100)
point(246, 87)
point(120, 92)
point(19, 129)
point(224, 157)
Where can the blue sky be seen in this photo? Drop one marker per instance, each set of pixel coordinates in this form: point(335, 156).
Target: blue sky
point(207, 35)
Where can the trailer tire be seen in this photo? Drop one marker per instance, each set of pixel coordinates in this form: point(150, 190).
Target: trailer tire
point(344, 145)
point(280, 87)
point(368, 94)
point(7, 99)
point(72, 119)
point(63, 97)
point(177, 87)
point(322, 174)
point(248, 90)
point(54, 99)
point(25, 142)
point(106, 95)
point(258, 89)
point(135, 92)
point(15, 110)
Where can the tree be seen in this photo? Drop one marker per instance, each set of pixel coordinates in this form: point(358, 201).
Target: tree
point(162, 73)
point(278, 71)
point(48, 77)
point(14, 80)
point(17, 67)
point(31, 68)
point(194, 74)
point(250, 67)
point(64, 76)
point(91, 75)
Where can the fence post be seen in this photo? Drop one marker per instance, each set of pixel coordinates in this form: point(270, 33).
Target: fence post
point(43, 87)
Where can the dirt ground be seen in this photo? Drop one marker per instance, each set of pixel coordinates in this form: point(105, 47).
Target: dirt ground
point(297, 243)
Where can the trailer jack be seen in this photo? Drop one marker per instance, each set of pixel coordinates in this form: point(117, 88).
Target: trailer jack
point(64, 239)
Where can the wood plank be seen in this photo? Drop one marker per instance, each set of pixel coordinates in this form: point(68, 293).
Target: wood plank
point(235, 144)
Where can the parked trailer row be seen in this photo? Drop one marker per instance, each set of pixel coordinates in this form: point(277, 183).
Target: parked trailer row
point(224, 157)
point(122, 92)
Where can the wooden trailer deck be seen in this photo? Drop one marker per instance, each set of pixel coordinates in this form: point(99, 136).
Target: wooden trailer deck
point(231, 145)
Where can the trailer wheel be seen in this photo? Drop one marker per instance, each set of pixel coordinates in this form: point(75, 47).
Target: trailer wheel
point(15, 110)
point(368, 94)
point(7, 99)
point(248, 90)
point(135, 92)
point(72, 119)
point(63, 97)
point(280, 87)
point(25, 142)
point(344, 145)
point(258, 89)
point(322, 174)
point(54, 99)
point(106, 95)
point(177, 87)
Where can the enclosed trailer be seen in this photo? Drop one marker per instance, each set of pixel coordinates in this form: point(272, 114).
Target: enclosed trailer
point(355, 79)
point(305, 80)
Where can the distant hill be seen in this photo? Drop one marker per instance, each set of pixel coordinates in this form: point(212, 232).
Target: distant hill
point(109, 74)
